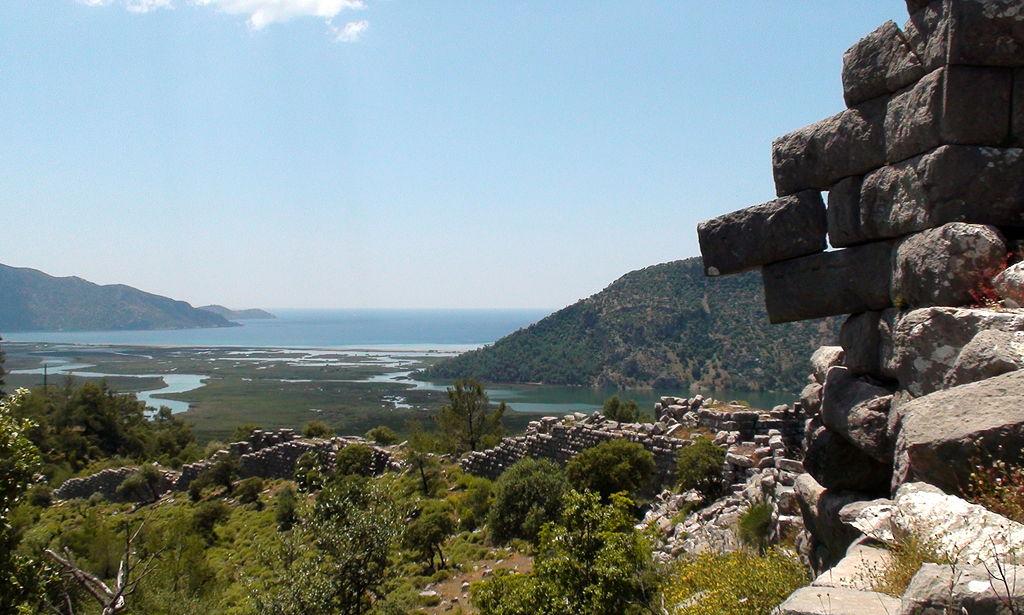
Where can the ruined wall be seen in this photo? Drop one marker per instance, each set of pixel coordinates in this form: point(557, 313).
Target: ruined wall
point(106, 482)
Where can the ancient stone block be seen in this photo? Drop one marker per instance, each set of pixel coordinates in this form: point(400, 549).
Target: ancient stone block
point(945, 185)
point(860, 338)
point(1009, 284)
point(974, 32)
point(824, 359)
point(942, 434)
point(880, 63)
point(938, 589)
point(784, 228)
point(837, 464)
point(819, 155)
point(858, 411)
point(965, 105)
point(812, 600)
point(827, 284)
point(989, 353)
point(951, 265)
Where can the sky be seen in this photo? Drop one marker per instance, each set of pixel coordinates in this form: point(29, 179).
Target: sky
point(396, 153)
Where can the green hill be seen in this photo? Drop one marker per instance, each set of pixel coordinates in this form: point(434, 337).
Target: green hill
point(665, 326)
point(31, 300)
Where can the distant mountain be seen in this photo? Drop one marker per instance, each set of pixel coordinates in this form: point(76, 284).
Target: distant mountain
point(31, 300)
point(250, 314)
point(663, 326)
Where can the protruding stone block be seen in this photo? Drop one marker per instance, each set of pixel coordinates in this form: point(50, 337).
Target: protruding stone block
point(819, 155)
point(972, 32)
point(812, 600)
point(858, 411)
point(860, 338)
point(880, 63)
point(964, 105)
point(784, 228)
point(951, 265)
point(828, 284)
point(837, 464)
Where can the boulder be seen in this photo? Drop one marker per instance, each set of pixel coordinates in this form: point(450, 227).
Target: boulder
point(927, 342)
point(860, 338)
point(944, 434)
point(857, 570)
point(963, 105)
point(838, 282)
point(988, 354)
point(950, 265)
point(820, 508)
point(1009, 284)
point(838, 464)
point(878, 64)
point(824, 359)
point(938, 589)
point(813, 600)
point(974, 32)
point(819, 155)
point(784, 228)
point(943, 185)
point(810, 398)
point(858, 411)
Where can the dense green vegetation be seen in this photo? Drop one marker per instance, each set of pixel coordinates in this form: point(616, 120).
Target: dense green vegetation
point(616, 466)
point(467, 420)
point(665, 326)
point(35, 301)
point(699, 467)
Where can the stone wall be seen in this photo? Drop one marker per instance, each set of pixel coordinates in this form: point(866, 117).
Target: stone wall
point(106, 482)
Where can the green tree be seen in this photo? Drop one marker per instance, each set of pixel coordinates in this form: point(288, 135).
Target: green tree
point(612, 467)
point(422, 461)
point(615, 409)
point(354, 459)
point(425, 534)
point(143, 484)
point(354, 525)
point(207, 516)
point(593, 562)
point(382, 435)
point(699, 466)
point(19, 459)
point(317, 429)
point(285, 509)
point(526, 496)
point(473, 502)
point(467, 421)
point(248, 491)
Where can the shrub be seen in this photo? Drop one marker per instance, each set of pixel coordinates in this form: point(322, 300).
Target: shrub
point(473, 502)
point(908, 555)
point(248, 490)
point(310, 471)
point(755, 525)
point(243, 432)
point(317, 429)
point(612, 467)
point(39, 496)
point(615, 409)
point(699, 466)
point(425, 534)
point(285, 509)
point(526, 496)
point(738, 582)
point(382, 435)
point(999, 487)
point(207, 516)
point(354, 459)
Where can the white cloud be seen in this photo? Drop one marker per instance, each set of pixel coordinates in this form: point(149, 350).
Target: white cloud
point(261, 13)
point(350, 32)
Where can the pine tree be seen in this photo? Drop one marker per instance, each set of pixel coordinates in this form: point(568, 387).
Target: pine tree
point(466, 420)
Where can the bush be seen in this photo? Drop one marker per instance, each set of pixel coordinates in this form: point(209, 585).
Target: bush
point(699, 466)
point(425, 534)
point(755, 525)
point(382, 435)
point(243, 432)
point(616, 466)
point(285, 509)
point(39, 496)
point(526, 496)
point(615, 409)
point(999, 487)
point(473, 502)
point(738, 582)
point(207, 516)
point(317, 429)
point(908, 555)
point(354, 460)
point(248, 490)
point(311, 471)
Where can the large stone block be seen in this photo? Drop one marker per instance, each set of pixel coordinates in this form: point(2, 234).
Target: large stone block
point(973, 32)
point(819, 155)
point(938, 589)
point(951, 265)
point(784, 228)
point(926, 343)
point(880, 63)
point(1009, 284)
point(839, 465)
point(858, 411)
point(860, 337)
point(943, 434)
point(813, 600)
point(947, 184)
point(965, 105)
point(838, 282)
point(819, 508)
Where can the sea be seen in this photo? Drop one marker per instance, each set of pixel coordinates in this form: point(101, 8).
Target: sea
point(394, 330)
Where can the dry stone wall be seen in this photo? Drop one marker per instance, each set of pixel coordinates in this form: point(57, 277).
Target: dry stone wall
point(106, 482)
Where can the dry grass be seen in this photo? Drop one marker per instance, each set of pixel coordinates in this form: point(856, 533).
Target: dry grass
point(908, 555)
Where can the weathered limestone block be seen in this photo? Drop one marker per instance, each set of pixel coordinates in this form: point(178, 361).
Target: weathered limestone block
point(814, 600)
point(839, 465)
point(1009, 284)
point(937, 589)
point(965, 105)
point(860, 337)
point(857, 570)
point(784, 228)
point(988, 354)
point(926, 342)
point(820, 508)
point(880, 63)
point(943, 434)
point(819, 155)
point(810, 398)
point(947, 184)
point(858, 411)
point(951, 265)
point(824, 359)
point(827, 284)
point(974, 32)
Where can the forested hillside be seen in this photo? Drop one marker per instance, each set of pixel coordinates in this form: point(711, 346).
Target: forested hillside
point(662, 326)
point(31, 300)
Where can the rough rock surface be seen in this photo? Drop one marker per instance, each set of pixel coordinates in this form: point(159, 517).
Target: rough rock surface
point(749, 238)
point(812, 600)
point(988, 354)
point(943, 432)
point(824, 359)
point(860, 337)
point(857, 570)
point(974, 32)
point(858, 411)
point(820, 508)
point(1009, 284)
point(880, 63)
point(938, 590)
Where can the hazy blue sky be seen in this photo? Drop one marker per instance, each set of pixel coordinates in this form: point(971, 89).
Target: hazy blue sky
point(315, 153)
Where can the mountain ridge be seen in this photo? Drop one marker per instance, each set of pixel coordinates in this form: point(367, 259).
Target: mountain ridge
point(228, 313)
